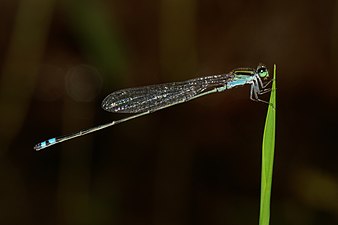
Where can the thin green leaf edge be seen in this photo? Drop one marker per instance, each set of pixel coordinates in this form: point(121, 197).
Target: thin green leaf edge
point(268, 149)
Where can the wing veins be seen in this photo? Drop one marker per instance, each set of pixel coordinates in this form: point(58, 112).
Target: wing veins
point(154, 97)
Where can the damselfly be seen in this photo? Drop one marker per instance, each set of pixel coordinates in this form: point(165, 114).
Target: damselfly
point(148, 99)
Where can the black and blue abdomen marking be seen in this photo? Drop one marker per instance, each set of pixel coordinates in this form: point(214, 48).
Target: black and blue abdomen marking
point(44, 144)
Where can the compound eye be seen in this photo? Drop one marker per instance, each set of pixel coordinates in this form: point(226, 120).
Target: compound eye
point(263, 72)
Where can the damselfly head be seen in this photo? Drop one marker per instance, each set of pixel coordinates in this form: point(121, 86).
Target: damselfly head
point(262, 71)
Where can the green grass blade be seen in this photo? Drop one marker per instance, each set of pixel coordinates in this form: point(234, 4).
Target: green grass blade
point(268, 155)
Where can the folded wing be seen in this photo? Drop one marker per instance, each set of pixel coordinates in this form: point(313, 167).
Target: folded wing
point(155, 97)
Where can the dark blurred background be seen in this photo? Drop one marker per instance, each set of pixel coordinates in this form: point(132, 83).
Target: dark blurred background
point(195, 163)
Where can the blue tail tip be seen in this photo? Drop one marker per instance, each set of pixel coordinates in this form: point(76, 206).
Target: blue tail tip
point(44, 144)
